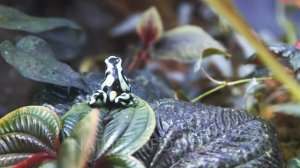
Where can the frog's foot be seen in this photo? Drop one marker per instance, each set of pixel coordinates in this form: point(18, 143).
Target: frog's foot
point(125, 99)
point(99, 94)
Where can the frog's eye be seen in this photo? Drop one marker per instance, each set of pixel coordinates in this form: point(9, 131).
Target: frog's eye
point(113, 60)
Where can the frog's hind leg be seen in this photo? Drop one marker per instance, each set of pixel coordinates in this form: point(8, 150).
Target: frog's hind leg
point(99, 94)
point(125, 99)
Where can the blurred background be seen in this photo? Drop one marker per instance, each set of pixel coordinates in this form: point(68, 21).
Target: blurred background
point(110, 29)
point(110, 26)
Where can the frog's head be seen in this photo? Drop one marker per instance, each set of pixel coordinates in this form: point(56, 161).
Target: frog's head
point(113, 62)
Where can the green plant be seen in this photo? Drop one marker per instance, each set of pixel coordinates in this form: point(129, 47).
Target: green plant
point(84, 137)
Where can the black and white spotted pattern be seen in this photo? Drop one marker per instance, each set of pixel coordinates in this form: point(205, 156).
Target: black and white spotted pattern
point(115, 88)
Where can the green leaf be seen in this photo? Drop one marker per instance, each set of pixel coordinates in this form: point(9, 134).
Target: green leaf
point(187, 44)
point(28, 130)
point(288, 108)
point(72, 117)
point(150, 26)
point(33, 59)
point(293, 163)
point(119, 161)
point(68, 154)
point(128, 130)
point(75, 114)
point(37, 121)
point(253, 96)
point(50, 164)
point(65, 36)
point(76, 149)
point(13, 19)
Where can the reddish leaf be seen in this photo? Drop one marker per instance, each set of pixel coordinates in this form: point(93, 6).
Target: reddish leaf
point(150, 26)
point(34, 160)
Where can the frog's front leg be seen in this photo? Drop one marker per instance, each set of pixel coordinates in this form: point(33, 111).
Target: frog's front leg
point(125, 99)
point(99, 94)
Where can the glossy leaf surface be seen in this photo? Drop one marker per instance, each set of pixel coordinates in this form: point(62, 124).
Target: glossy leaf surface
point(128, 130)
point(26, 131)
point(72, 117)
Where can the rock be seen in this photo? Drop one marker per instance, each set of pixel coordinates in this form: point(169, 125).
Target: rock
point(196, 135)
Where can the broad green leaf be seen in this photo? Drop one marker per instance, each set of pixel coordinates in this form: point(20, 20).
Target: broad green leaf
point(119, 161)
point(293, 163)
point(186, 44)
point(13, 19)
point(288, 108)
point(150, 26)
point(28, 130)
point(33, 59)
point(36, 121)
point(65, 36)
point(80, 144)
point(128, 130)
point(72, 117)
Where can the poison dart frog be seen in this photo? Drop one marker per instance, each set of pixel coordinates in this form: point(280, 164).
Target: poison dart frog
point(115, 89)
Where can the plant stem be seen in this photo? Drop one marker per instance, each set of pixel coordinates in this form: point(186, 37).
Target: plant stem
point(224, 84)
point(226, 9)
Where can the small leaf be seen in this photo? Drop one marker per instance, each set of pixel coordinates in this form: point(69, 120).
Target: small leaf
point(150, 26)
point(50, 164)
point(288, 108)
point(118, 161)
point(65, 36)
point(293, 163)
point(33, 59)
point(186, 44)
point(290, 54)
point(79, 145)
point(253, 96)
point(128, 130)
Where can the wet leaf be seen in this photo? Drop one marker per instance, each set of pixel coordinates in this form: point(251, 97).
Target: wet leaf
point(76, 149)
point(118, 161)
point(150, 26)
point(65, 36)
point(26, 131)
point(33, 59)
point(186, 44)
point(288, 108)
point(128, 130)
